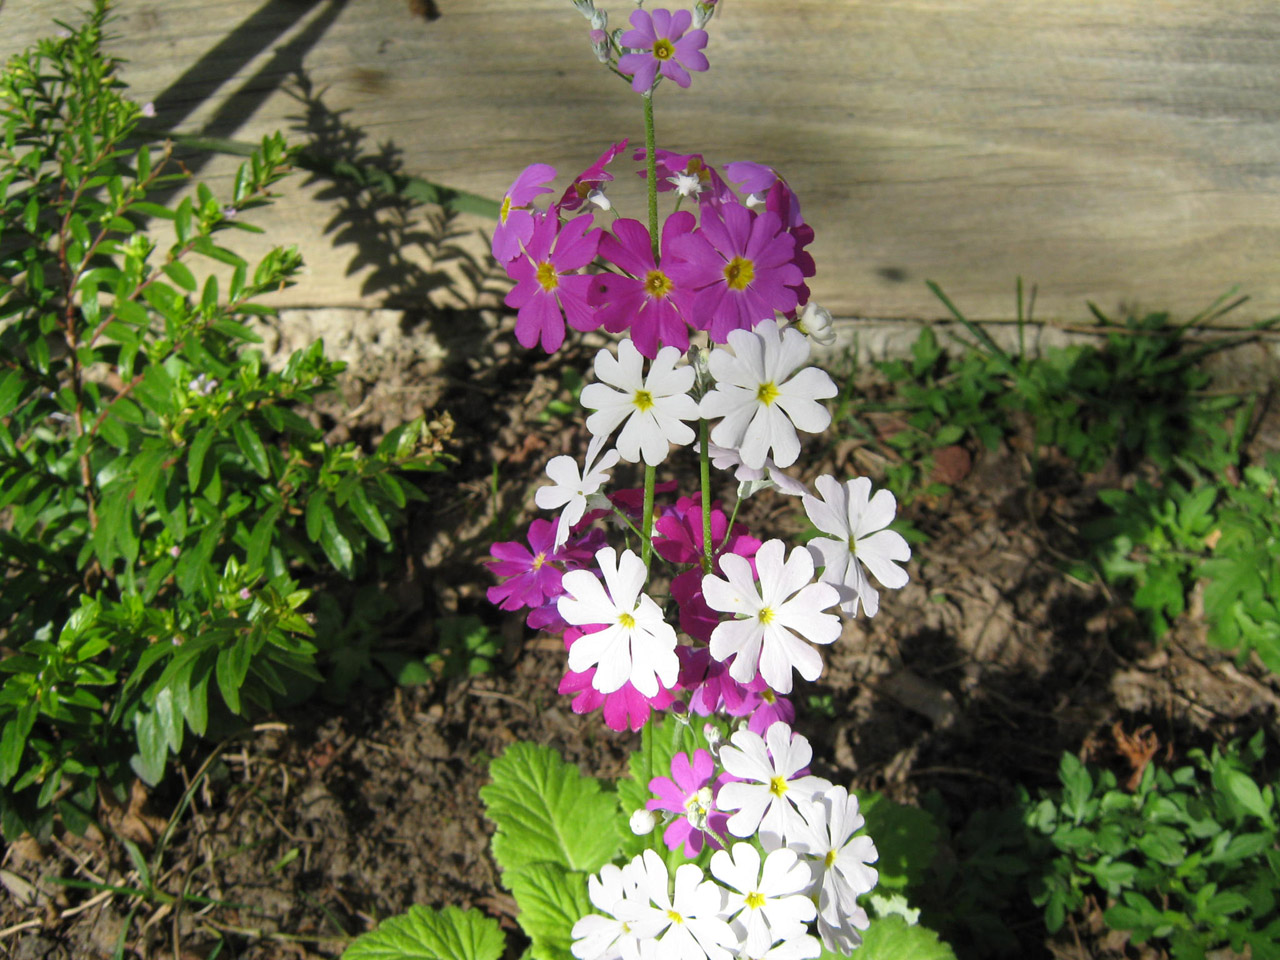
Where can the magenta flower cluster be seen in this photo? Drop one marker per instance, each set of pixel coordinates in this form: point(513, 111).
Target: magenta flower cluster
point(736, 258)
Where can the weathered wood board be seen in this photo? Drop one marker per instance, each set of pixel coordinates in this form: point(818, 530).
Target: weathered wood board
point(1123, 152)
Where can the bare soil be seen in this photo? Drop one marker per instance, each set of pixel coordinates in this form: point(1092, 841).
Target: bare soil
point(324, 819)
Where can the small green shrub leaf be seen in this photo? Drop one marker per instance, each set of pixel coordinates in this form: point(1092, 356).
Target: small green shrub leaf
point(426, 934)
point(251, 446)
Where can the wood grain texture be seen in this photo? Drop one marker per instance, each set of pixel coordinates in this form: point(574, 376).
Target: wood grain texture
point(1126, 152)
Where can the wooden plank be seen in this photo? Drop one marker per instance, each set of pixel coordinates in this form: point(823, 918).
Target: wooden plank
point(1125, 152)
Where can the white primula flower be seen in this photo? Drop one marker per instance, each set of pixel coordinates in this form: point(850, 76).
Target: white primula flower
point(766, 904)
point(637, 644)
point(571, 489)
point(839, 861)
point(856, 520)
point(815, 323)
point(764, 397)
point(688, 922)
point(773, 619)
point(653, 406)
point(724, 458)
point(768, 786)
point(616, 931)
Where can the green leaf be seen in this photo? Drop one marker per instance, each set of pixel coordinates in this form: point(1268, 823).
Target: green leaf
point(426, 934)
point(153, 750)
point(551, 899)
point(335, 544)
point(195, 455)
point(1241, 788)
point(368, 515)
point(14, 740)
point(251, 446)
point(181, 274)
point(892, 938)
point(906, 839)
point(545, 810)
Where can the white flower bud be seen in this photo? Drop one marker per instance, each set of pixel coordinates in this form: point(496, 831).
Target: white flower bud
point(815, 323)
point(642, 822)
point(702, 14)
point(585, 7)
point(600, 20)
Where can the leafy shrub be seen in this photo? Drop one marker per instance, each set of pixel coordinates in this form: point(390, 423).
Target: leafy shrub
point(1189, 859)
point(160, 496)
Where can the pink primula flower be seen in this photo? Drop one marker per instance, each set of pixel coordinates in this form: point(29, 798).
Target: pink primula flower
point(690, 792)
point(547, 289)
point(530, 575)
point(624, 708)
point(648, 301)
point(589, 184)
point(710, 688)
point(741, 265)
point(515, 220)
point(668, 49)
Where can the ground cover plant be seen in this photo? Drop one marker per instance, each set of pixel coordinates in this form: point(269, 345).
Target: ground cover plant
point(166, 506)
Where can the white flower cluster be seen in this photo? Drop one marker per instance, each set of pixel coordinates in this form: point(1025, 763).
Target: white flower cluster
point(762, 395)
point(809, 867)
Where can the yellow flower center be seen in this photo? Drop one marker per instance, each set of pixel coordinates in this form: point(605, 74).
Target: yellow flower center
point(674, 917)
point(766, 615)
point(664, 49)
point(506, 209)
point(768, 696)
point(643, 401)
point(657, 283)
point(754, 900)
point(829, 859)
point(696, 168)
point(627, 621)
point(768, 393)
point(739, 272)
point(778, 786)
point(538, 561)
point(547, 276)
point(853, 546)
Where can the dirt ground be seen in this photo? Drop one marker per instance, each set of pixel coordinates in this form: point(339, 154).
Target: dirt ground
point(323, 820)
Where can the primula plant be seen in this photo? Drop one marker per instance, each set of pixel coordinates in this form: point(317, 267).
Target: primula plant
point(676, 620)
point(164, 506)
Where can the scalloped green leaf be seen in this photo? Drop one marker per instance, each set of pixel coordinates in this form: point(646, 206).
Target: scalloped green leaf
point(552, 899)
point(426, 934)
point(892, 938)
point(545, 810)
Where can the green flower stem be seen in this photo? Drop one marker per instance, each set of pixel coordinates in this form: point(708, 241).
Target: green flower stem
point(651, 172)
point(627, 520)
point(646, 523)
point(704, 469)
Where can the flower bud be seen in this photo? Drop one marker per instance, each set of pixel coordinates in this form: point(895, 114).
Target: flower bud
point(642, 822)
point(600, 20)
point(815, 323)
point(703, 12)
point(600, 44)
point(585, 7)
